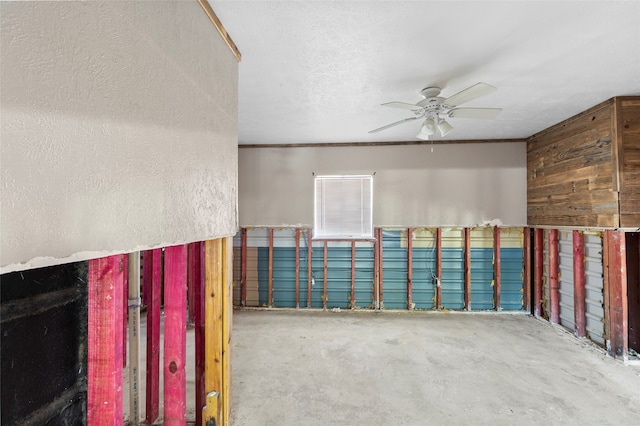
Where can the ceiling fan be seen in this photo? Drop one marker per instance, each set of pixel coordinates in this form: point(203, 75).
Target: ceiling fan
point(433, 106)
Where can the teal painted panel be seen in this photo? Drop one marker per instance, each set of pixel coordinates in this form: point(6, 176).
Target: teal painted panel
point(263, 276)
point(423, 267)
point(317, 272)
point(364, 277)
point(394, 267)
point(511, 281)
point(452, 281)
point(481, 278)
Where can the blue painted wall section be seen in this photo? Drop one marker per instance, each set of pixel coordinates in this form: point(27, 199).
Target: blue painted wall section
point(394, 264)
point(511, 272)
point(481, 278)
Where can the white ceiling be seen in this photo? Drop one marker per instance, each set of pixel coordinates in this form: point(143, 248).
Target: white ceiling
point(317, 71)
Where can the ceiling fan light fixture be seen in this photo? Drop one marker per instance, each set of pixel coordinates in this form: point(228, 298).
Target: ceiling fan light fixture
point(444, 127)
point(427, 129)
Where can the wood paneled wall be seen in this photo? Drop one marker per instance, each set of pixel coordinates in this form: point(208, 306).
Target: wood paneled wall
point(585, 171)
point(628, 131)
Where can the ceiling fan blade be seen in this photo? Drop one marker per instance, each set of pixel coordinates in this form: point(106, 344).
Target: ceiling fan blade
point(403, 105)
point(484, 113)
point(393, 124)
point(469, 94)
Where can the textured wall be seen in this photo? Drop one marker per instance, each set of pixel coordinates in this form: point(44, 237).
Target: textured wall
point(118, 129)
point(460, 184)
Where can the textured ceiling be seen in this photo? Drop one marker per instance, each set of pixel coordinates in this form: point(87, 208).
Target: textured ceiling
point(317, 71)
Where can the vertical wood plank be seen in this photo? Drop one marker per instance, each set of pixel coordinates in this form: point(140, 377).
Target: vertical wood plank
point(467, 269)
point(309, 270)
point(352, 304)
point(133, 296)
point(526, 282)
point(270, 291)
point(616, 282)
point(538, 271)
point(554, 285)
point(154, 260)
point(197, 263)
point(496, 268)
point(213, 320)
point(579, 290)
point(438, 268)
point(376, 269)
point(243, 267)
point(381, 263)
point(227, 325)
point(125, 307)
point(324, 277)
point(175, 336)
point(297, 268)
point(409, 269)
point(104, 372)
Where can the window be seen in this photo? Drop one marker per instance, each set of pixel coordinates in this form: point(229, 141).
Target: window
point(343, 207)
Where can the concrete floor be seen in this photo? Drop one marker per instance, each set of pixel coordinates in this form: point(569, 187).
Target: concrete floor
point(392, 368)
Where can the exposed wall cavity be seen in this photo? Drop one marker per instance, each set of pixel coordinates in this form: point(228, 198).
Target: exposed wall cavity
point(461, 185)
point(118, 129)
point(44, 345)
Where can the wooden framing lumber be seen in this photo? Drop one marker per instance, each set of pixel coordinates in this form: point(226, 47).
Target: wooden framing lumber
point(579, 290)
point(309, 270)
point(467, 269)
point(352, 302)
point(133, 298)
point(104, 375)
point(125, 307)
point(381, 264)
point(526, 282)
point(324, 276)
point(243, 267)
point(213, 321)
point(438, 284)
point(496, 268)
point(376, 269)
point(409, 269)
point(153, 259)
point(297, 268)
point(199, 296)
point(227, 324)
point(175, 336)
point(538, 271)
point(616, 303)
point(270, 290)
point(554, 282)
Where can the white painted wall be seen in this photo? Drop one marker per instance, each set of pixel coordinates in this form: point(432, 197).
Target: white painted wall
point(457, 184)
point(118, 129)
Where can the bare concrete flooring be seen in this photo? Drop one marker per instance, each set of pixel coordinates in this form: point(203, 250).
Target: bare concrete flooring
point(421, 368)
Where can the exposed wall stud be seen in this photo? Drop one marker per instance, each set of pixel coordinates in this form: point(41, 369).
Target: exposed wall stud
point(175, 336)
point(133, 298)
point(324, 276)
point(309, 270)
point(579, 289)
point(227, 324)
point(352, 303)
point(538, 270)
point(616, 303)
point(243, 267)
point(153, 259)
point(104, 375)
point(438, 282)
point(297, 268)
point(270, 291)
point(381, 265)
point(409, 268)
point(467, 269)
point(213, 320)
point(376, 269)
point(526, 282)
point(125, 307)
point(197, 264)
point(496, 268)
point(554, 282)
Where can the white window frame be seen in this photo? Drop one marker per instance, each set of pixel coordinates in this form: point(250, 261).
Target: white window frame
point(342, 209)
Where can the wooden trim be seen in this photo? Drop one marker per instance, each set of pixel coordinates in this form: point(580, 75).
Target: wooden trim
point(227, 324)
point(153, 260)
point(297, 268)
point(270, 290)
point(324, 276)
point(617, 148)
point(175, 336)
point(526, 281)
point(467, 269)
point(538, 271)
point(353, 275)
point(243, 267)
point(438, 243)
point(579, 290)
point(554, 285)
point(496, 268)
point(104, 359)
point(409, 269)
point(223, 32)
point(369, 144)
